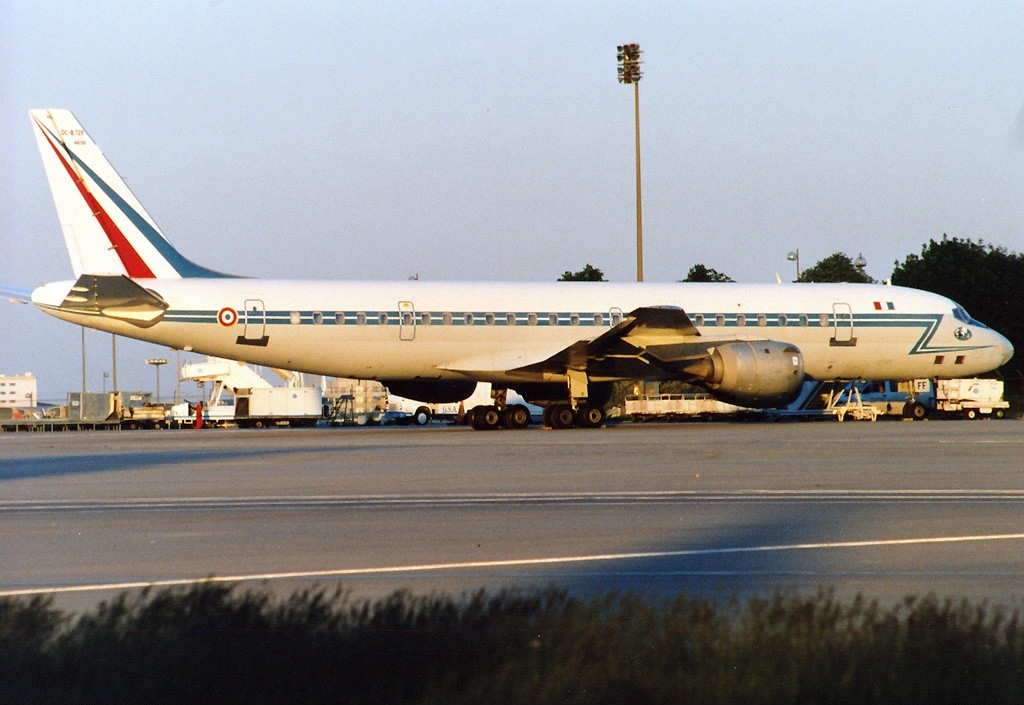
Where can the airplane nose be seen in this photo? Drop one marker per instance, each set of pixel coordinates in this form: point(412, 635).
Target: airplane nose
point(1004, 348)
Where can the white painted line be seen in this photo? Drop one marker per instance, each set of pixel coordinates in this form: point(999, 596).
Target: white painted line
point(580, 498)
point(510, 563)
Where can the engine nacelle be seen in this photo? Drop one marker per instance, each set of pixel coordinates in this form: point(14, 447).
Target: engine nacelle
point(753, 374)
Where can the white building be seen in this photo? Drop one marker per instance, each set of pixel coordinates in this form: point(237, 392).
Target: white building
point(18, 390)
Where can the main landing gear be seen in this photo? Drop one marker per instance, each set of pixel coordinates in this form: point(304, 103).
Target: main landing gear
point(561, 416)
point(557, 416)
point(491, 417)
point(579, 413)
point(499, 414)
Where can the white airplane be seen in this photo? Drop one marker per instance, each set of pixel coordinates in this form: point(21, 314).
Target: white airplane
point(559, 344)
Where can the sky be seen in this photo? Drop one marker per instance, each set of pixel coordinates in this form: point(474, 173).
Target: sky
point(491, 140)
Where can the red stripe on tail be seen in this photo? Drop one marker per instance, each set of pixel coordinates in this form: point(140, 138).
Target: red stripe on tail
point(132, 261)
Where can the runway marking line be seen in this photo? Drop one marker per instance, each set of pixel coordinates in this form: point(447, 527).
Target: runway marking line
point(427, 500)
point(509, 563)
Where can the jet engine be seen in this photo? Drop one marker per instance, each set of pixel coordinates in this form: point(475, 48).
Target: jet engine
point(753, 374)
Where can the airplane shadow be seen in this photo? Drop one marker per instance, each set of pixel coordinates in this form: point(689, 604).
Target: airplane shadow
point(733, 561)
point(67, 465)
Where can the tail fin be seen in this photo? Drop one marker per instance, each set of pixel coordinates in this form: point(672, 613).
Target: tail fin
point(106, 228)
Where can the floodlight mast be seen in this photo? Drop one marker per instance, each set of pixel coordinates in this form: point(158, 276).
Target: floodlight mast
point(157, 362)
point(629, 72)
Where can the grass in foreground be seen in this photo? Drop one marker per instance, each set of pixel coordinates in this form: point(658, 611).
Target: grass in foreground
point(213, 643)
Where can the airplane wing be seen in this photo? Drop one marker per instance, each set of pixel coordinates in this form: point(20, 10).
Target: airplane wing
point(649, 341)
point(16, 295)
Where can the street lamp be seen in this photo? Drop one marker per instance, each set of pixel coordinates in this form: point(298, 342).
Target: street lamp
point(860, 263)
point(795, 257)
point(156, 362)
point(629, 72)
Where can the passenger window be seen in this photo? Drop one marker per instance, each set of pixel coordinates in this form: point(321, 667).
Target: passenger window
point(490, 319)
point(823, 320)
point(598, 319)
point(532, 319)
point(382, 318)
point(574, 319)
point(762, 320)
point(510, 319)
point(552, 319)
point(783, 320)
point(698, 320)
point(295, 318)
point(468, 318)
point(446, 318)
point(719, 320)
point(361, 318)
point(318, 317)
point(339, 319)
point(425, 318)
point(741, 320)
point(803, 319)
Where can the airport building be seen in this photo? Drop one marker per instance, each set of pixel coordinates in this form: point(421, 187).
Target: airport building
point(18, 391)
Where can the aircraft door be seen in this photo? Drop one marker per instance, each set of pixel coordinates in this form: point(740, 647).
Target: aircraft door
point(842, 332)
point(254, 329)
point(407, 320)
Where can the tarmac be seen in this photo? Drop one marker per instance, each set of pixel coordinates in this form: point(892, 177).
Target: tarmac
point(885, 509)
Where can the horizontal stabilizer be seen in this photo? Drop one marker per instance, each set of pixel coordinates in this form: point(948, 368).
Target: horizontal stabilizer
point(16, 295)
point(115, 297)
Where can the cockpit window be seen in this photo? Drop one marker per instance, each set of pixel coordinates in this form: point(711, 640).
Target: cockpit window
point(961, 315)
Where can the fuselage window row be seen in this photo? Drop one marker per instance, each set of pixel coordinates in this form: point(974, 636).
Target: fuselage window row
point(471, 318)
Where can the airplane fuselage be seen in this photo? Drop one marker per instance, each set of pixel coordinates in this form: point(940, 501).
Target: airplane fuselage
point(420, 330)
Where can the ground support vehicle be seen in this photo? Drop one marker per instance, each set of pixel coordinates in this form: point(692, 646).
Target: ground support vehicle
point(970, 398)
point(677, 407)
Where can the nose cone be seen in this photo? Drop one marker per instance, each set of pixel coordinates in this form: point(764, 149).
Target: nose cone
point(1004, 349)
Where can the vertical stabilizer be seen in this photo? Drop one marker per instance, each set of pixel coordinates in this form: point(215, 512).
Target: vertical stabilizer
point(106, 229)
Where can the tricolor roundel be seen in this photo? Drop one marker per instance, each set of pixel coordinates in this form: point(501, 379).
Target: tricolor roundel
point(227, 317)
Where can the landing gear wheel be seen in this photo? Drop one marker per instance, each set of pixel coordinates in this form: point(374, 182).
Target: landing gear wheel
point(560, 416)
point(484, 418)
point(516, 416)
point(590, 416)
point(971, 414)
